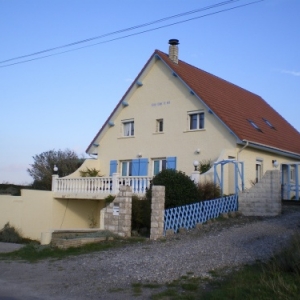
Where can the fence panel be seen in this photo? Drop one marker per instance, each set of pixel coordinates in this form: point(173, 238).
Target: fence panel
point(188, 216)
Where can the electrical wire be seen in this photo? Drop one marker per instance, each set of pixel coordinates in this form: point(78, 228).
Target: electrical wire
point(123, 30)
point(118, 38)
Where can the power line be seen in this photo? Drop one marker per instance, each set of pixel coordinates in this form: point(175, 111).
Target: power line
point(128, 29)
point(124, 30)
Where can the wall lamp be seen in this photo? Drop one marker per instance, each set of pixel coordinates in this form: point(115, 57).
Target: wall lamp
point(275, 163)
point(55, 169)
point(196, 164)
point(139, 154)
point(197, 151)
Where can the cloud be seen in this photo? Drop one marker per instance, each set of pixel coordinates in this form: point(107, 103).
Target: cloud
point(294, 73)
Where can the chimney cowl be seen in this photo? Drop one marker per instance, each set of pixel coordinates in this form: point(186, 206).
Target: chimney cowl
point(173, 42)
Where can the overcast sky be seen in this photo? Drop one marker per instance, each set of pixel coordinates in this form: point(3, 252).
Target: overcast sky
point(61, 101)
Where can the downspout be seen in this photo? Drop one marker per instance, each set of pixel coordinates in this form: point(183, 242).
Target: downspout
point(247, 143)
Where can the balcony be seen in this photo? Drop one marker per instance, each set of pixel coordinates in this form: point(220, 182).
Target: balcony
point(97, 187)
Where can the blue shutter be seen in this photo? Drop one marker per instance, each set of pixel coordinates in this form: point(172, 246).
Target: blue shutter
point(171, 162)
point(135, 167)
point(113, 167)
point(140, 167)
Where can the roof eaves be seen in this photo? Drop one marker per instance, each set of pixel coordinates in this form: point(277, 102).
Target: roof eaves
point(272, 149)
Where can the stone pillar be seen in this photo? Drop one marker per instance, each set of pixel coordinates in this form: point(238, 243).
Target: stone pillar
point(158, 212)
point(117, 215)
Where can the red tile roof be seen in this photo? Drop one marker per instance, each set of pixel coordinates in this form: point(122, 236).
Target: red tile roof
point(233, 105)
point(236, 106)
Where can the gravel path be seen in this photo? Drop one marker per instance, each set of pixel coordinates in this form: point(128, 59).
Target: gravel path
point(228, 243)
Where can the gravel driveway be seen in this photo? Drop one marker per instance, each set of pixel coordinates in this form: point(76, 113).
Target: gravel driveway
point(228, 243)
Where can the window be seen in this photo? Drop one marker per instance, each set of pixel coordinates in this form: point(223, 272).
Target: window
point(128, 128)
point(159, 165)
point(258, 170)
point(196, 120)
point(254, 125)
point(159, 125)
point(269, 123)
point(126, 168)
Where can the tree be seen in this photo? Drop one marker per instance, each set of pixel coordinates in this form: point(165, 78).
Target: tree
point(41, 170)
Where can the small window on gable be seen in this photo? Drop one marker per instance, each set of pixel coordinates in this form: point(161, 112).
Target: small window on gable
point(254, 125)
point(269, 123)
point(196, 120)
point(128, 128)
point(159, 125)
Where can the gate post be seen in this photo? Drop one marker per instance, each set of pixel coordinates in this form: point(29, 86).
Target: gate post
point(157, 212)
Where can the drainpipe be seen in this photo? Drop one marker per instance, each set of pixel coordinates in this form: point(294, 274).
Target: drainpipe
point(247, 143)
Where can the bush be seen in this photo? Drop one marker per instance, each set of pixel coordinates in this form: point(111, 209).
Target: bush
point(208, 190)
point(141, 215)
point(204, 166)
point(10, 235)
point(179, 188)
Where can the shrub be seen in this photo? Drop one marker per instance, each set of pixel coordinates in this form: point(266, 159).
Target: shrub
point(179, 188)
point(10, 235)
point(204, 166)
point(93, 172)
point(208, 190)
point(141, 215)
point(109, 199)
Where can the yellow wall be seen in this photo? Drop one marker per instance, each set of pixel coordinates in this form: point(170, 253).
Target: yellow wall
point(31, 212)
point(75, 214)
point(160, 86)
point(35, 212)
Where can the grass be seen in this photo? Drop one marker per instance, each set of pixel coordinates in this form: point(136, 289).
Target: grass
point(33, 252)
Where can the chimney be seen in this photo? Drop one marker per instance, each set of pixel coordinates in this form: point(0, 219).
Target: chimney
point(173, 50)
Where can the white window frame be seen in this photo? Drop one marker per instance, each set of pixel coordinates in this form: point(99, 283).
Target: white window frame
point(198, 115)
point(128, 167)
point(162, 164)
point(128, 132)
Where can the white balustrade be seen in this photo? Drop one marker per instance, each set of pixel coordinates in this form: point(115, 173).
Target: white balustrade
point(100, 185)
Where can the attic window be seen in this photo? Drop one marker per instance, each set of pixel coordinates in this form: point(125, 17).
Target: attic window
point(269, 123)
point(254, 125)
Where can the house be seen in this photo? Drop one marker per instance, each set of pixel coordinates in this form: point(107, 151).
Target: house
point(172, 115)
point(175, 113)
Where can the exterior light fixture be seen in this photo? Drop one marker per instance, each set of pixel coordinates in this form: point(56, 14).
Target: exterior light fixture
point(197, 151)
point(55, 169)
point(196, 164)
point(139, 154)
point(275, 163)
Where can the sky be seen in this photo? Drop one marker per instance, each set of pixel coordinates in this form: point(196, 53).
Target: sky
point(61, 101)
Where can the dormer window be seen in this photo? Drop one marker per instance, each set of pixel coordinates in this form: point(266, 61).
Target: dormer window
point(269, 123)
point(254, 125)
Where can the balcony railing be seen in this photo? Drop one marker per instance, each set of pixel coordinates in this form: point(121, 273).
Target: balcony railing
point(97, 186)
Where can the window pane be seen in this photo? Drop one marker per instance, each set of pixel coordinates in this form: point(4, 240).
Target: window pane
point(156, 167)
point(160, 125)
point(163, 164)
point(201, 121)
point(132, 128)
point(193, 121)
point(126, 129)
point(124, 168)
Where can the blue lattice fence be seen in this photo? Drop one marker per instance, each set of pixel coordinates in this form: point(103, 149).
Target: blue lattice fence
point(188, 216)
